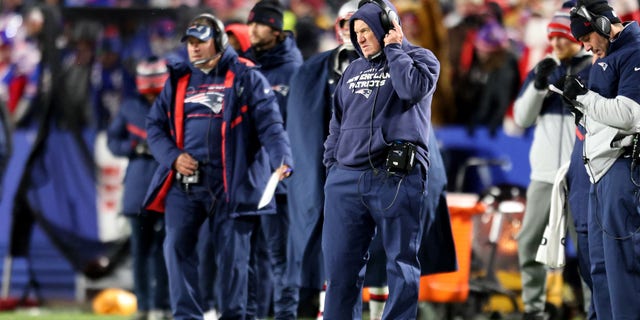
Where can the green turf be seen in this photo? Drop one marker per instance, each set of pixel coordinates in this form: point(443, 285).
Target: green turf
point(59, 315)
point(55, 315)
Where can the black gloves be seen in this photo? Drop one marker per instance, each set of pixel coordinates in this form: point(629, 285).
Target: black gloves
point(542, 71)
point(573, 87)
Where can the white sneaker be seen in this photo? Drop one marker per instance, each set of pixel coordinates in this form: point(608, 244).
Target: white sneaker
point(211, 315)
point(159, 315)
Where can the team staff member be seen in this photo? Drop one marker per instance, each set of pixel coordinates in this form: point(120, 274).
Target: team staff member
point(611, 112)
point(275, 51)
point(381, 108)
point(307, 123)
point(209, 130)
point(553, 142)
point(127, 137)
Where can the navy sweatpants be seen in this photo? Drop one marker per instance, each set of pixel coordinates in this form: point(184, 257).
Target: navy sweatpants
point(356, 203)
point(185, 213)
point(284, 265)
point(614, 244)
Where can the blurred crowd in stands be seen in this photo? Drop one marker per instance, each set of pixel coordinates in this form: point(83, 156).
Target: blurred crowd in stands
point(485, 49)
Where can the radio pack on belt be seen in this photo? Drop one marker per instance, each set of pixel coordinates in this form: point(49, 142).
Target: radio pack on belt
point(401, 156)
point(192, 179)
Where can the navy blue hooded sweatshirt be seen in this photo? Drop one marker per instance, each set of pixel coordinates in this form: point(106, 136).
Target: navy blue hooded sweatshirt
point(381, 100)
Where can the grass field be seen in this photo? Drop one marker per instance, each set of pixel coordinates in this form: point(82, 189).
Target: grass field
point(56, 314)
point(56, 310)
point(61, 313)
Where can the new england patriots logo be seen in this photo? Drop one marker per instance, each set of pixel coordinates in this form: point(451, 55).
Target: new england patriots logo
point(365, 92)
point(281, 89)
point(212, 100)
point(603, 65)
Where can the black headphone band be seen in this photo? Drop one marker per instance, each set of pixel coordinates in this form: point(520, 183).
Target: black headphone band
point(221, 40)
point(388, 15)
point(601, 24)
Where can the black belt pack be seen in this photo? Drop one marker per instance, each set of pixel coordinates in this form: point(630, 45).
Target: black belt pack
point(401, 157)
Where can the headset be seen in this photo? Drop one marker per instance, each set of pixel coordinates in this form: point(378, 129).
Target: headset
point(221, 40)
point(387, 16)
point(601, 24)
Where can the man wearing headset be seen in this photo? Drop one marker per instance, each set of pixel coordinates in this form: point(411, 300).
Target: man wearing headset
point(377, 159)
point(217, 133)
point(552, 145)
point(611, 113)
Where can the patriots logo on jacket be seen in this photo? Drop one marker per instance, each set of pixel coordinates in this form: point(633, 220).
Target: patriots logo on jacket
point(603, 65)
point(281, 89)
point(365, 92)
point(212, 100)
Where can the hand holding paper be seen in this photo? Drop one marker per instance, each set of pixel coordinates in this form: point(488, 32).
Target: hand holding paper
point(278, 175)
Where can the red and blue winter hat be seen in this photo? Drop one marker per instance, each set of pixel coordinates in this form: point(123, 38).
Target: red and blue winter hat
point(560, 24)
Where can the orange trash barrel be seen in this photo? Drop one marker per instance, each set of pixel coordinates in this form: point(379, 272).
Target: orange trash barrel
point(454, 286)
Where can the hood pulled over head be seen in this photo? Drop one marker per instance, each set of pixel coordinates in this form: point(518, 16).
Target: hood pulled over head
point(370, 13)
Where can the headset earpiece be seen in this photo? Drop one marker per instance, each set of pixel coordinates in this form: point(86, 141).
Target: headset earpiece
point(221, 39)
point(601, 24)
point(387, 17)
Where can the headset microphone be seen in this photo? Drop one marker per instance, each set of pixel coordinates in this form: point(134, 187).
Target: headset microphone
point(202, 61)
point(206, 60)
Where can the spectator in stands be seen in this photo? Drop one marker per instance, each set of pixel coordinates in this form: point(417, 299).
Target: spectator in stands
point(164, 41)
point(309, 34)
point(422, 23)
point(7, 68)
point(110, 82)
point(488, 84)
point(28, 51)
point(135, 42)
point(127, 137)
